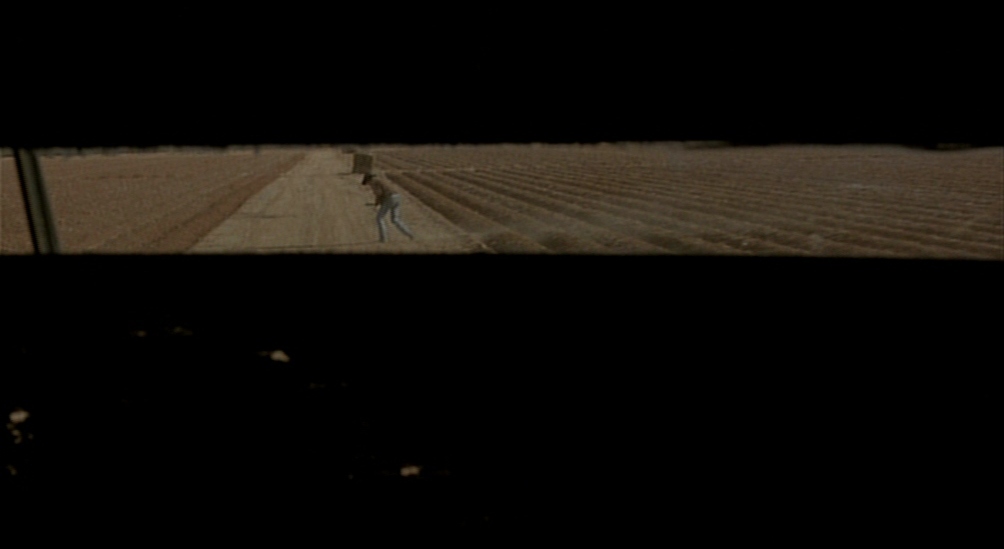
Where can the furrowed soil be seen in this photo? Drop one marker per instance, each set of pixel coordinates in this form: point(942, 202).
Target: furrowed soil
point(622, 199)
point(142, 202)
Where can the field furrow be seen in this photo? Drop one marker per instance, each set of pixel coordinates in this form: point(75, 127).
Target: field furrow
point(142, 202)
point(655, 229)
point(548, 234)
point(766, 188)
point(886, 202)
point(497, 236)
point(568, 221)
point(477, 202)
point(159, 219)
point(793, 217)
point(883, 204)
point(568, 218)
point(741, 231)
point(867, 213)
point(626, 223)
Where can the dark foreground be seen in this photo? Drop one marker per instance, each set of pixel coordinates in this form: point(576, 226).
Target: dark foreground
point(693, 396)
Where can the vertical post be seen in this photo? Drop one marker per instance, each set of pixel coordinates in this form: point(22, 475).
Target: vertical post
point(36, 203)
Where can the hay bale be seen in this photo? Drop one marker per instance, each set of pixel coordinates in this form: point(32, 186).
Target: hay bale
point(362, 163)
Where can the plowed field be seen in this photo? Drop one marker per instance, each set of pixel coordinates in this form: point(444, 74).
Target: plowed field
point(152, 202)
point(823, 201)
point(639, 199)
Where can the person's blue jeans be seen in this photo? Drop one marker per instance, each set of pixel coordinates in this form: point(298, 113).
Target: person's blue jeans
point(391, 204)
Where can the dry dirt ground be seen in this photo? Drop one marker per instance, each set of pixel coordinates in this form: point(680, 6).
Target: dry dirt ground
point(644, 198)
point(149, 202)
point(319, 206)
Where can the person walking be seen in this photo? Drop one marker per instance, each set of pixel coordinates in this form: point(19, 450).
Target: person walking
point(387, 200)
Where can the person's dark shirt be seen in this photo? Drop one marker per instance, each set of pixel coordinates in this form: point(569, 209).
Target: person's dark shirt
point(381, 189)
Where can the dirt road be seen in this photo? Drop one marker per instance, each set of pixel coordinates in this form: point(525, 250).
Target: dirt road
point(320, 207)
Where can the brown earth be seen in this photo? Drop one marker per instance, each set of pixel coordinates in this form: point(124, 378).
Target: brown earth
point(865, 201)
point(658, 198)
point(319, 206)
point(140, 202)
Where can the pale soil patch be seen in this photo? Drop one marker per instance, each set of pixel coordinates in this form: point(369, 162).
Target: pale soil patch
point(320, 207)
